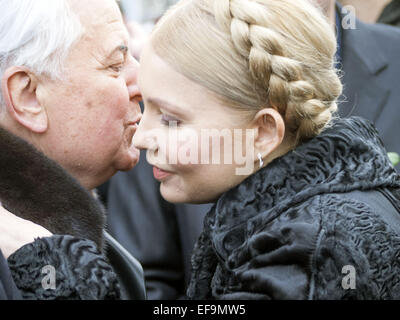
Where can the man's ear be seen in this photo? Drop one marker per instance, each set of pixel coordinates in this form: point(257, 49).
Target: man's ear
point(19, 91)
point(269, 132)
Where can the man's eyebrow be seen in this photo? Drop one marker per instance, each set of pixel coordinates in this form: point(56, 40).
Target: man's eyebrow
point(170, 107)
point(121, 48)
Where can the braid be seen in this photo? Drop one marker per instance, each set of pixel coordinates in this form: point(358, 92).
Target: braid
point(271, 68)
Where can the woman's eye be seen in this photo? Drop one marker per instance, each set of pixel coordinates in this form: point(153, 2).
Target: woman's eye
point(169, 121)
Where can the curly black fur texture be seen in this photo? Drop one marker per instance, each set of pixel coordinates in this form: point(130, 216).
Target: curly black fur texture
point(287, 231)
point(82, 272)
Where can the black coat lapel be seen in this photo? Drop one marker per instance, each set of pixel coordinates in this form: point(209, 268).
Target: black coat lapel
point(362, 62)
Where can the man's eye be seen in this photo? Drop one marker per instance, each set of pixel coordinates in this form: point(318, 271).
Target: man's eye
point(116, 67)
point(169, 121)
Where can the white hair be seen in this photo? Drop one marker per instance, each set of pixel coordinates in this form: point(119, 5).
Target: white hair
point(36, 34)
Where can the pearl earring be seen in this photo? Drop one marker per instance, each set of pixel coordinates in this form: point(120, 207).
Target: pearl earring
point(261, 160)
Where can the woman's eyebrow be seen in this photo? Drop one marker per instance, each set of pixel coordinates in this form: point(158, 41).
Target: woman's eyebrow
point(170, 107)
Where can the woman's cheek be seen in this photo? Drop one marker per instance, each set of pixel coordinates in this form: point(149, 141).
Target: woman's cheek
point(188, 149)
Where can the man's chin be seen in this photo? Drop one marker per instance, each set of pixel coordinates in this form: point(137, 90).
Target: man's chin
point(134, 157)
point(128, 161)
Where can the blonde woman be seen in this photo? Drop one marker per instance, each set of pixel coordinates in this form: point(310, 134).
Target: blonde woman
point(315, 216)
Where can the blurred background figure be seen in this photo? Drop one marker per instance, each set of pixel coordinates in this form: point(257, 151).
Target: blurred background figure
point(381, 11)
point(367, 57)
point(140, 18)
point(145, 12)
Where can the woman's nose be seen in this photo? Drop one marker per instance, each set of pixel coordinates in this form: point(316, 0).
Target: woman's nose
point(146, 137)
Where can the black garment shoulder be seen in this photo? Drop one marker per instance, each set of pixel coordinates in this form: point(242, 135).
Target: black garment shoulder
point(8, 290)
point(287, 231)
point(81, 271)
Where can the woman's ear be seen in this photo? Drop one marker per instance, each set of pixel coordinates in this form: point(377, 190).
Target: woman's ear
point(269, 132)
point(19, 91)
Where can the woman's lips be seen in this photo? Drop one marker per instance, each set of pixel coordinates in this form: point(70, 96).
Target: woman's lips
point(160, 174)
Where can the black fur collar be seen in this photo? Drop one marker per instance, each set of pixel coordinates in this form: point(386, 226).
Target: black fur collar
point(36, 188)
point(346, 157)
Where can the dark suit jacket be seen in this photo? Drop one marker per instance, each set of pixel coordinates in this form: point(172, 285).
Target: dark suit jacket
point(161, 235)
point(8, 289)
point(371, 71)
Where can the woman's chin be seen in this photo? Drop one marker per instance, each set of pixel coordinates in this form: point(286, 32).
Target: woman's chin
point(171, 194)
point(175, 195)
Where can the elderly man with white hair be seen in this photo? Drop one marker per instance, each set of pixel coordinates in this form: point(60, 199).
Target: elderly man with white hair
point(69, 108)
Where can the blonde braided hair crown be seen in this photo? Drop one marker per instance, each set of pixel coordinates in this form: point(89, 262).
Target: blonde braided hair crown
point(271, 68)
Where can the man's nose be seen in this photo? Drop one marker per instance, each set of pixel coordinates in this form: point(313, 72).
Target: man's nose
point(131, 78)
point(144, 137)
point(139, 139)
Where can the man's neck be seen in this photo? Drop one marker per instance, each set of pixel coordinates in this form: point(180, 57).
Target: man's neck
point(367, 10)
point(328, 8)
point(330, 13)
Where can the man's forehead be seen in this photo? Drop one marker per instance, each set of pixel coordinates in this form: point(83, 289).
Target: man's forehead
point(103, 28)
point(96, 12)
point(101, 19)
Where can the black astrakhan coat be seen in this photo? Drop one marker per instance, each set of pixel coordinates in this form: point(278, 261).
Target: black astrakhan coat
point(321, 222)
